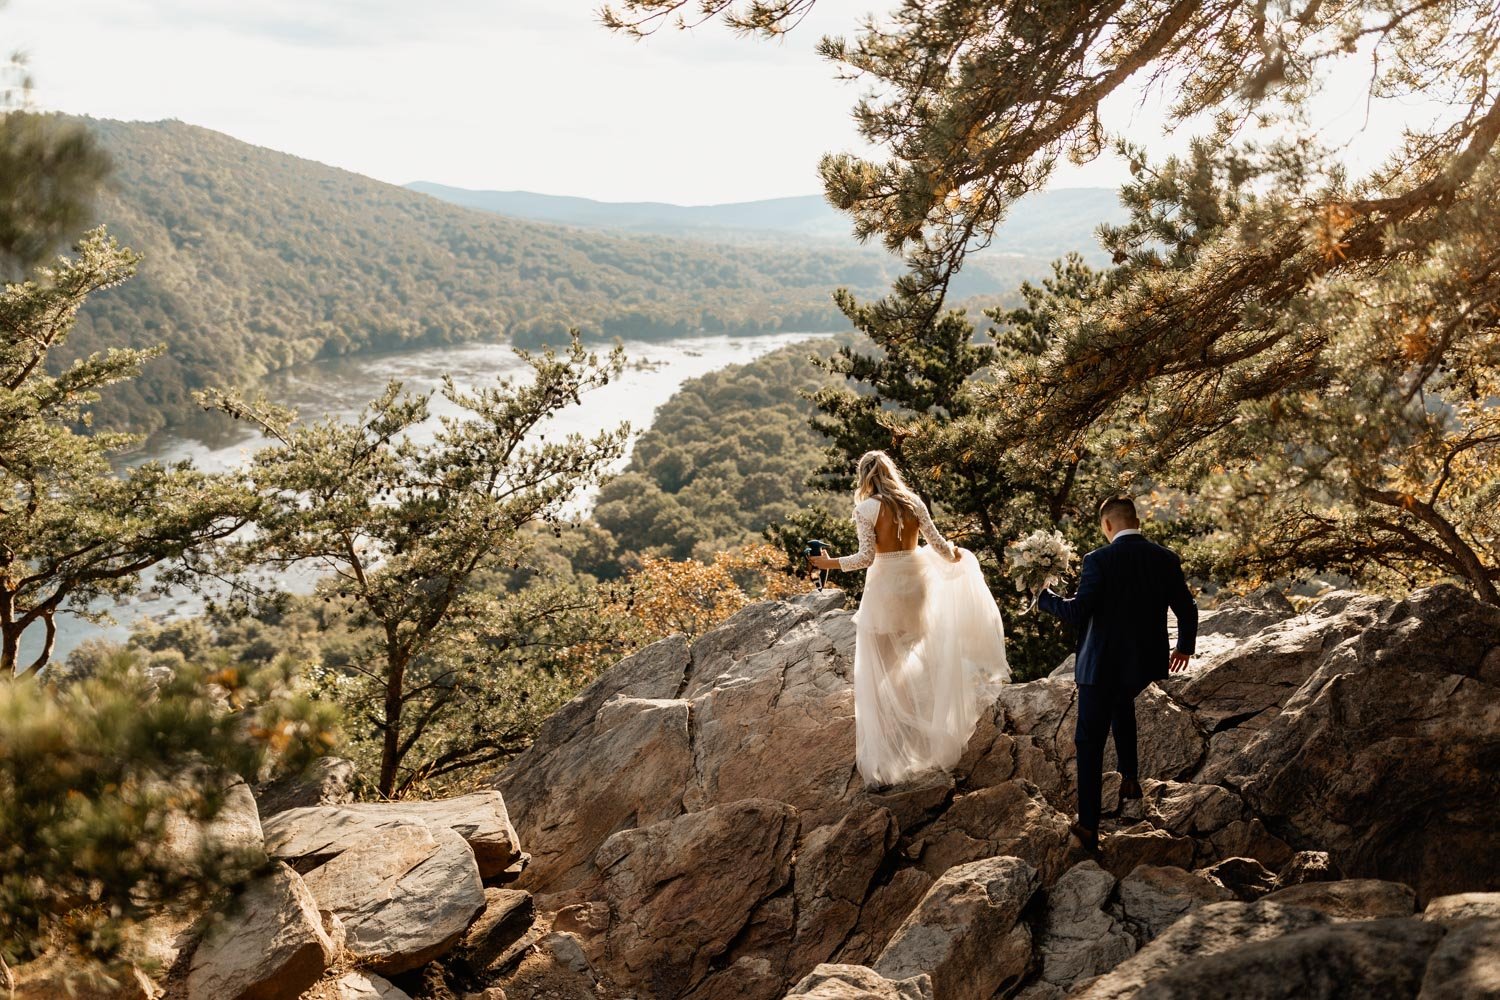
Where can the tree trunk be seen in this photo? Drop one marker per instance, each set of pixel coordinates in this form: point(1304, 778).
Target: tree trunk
point(390, 752)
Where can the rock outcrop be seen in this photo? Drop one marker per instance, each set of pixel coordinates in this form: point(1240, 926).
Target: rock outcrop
point(1318, 821)
point(695, 821)
point(276, 943)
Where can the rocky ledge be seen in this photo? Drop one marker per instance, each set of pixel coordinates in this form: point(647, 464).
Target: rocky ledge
point(1319, 821)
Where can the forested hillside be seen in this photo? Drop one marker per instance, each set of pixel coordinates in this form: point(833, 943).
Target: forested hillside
point(726, 458)
point(254, 260)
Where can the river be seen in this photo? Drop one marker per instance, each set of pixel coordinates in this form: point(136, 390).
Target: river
point(341, 387)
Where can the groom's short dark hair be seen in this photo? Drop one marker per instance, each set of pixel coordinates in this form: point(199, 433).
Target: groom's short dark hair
point(1119, 508)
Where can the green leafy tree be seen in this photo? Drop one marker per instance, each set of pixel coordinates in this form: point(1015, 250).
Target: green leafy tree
point(403, 528)
point(99, 774)
point(72, 531)
point(51, 170)
point(1311, 354)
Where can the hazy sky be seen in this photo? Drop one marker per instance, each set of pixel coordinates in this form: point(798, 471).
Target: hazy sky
point(504, 94)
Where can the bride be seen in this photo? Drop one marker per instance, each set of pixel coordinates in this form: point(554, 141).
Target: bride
point(929, 646)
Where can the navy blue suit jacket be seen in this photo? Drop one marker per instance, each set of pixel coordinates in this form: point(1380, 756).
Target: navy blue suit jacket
point(1120, 613)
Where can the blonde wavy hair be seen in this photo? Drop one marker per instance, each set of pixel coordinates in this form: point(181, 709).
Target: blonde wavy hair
point(877, 476)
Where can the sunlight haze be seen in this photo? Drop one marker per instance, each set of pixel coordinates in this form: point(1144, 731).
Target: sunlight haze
point(520, 95)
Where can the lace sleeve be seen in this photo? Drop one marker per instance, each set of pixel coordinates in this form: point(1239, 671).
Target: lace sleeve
point(864, 525)
point(934, 537)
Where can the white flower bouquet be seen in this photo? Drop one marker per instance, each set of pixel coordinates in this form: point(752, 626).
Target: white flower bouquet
point(1038, 561)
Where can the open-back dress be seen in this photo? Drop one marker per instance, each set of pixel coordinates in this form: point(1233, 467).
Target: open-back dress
point(929, 652)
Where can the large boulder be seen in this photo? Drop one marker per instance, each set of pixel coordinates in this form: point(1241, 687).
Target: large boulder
point(628, 744)
point(681, 891)
point(1384, 756)
point(233, 832)
point(1012, 819)
point(273, 943)
point(855, 982)
point(964, 933)
point(629, 764)
point(1247, 678)
point(836, 866)
point(1465, 965)
point(405, 894)
point(1211, 930)
point(1238, 618)
point(1153, 898)
point(792, 702)
point(327, 781)
point(309, 836)
point(1464, 906)
point(1379, 958)
point(1189, 809)
point(1351, 899)
point(1078, 937)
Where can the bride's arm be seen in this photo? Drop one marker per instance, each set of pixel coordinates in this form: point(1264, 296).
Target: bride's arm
point(935, 537)
point(864, 526)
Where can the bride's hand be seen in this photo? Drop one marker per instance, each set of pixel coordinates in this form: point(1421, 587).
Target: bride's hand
point(823, 562)
point(958, 553)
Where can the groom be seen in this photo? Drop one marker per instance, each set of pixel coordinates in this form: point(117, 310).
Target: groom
point(1120, 613)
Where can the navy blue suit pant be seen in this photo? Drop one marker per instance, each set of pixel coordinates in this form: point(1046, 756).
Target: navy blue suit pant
point(1102, 709)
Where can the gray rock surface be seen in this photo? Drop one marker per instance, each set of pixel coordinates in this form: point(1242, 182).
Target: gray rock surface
point(309, 836)
point(1079, 938)
point(1152, 898)
point(855, 982)
point(364, 986)
point(1214, 929)
point(328, 781)
point(1351, 899)
point(682, 890)
point(1393, 726)
point(405, 894)
point(1465, 965)
point(697, 825)
point(275, 944)
point(964, 933)
point(1464, 906)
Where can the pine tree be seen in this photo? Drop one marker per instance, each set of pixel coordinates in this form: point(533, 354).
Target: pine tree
point(404, 527)
point(72, 531)
point(1313, 355)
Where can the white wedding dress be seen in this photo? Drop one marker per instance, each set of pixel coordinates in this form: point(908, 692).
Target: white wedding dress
point(929, 653)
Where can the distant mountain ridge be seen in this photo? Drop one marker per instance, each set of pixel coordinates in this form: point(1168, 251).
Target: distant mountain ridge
point(1046, 224)
point(255, 260)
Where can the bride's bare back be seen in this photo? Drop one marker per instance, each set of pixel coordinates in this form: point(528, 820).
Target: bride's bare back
point(886, 537)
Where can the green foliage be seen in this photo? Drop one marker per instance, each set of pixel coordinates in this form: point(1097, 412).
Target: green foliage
point(50, 171)
point(724, 459)
point(923, 398)
point(256, 260)
point(71, 530)
point(404, 529)
point(824, 523)
point(100, 775)
point(1311, 356)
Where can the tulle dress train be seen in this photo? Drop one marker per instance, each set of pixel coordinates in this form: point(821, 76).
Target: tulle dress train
point(929, 656)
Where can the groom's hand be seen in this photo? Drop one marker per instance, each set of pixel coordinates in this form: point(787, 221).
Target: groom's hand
point(1179, 662)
